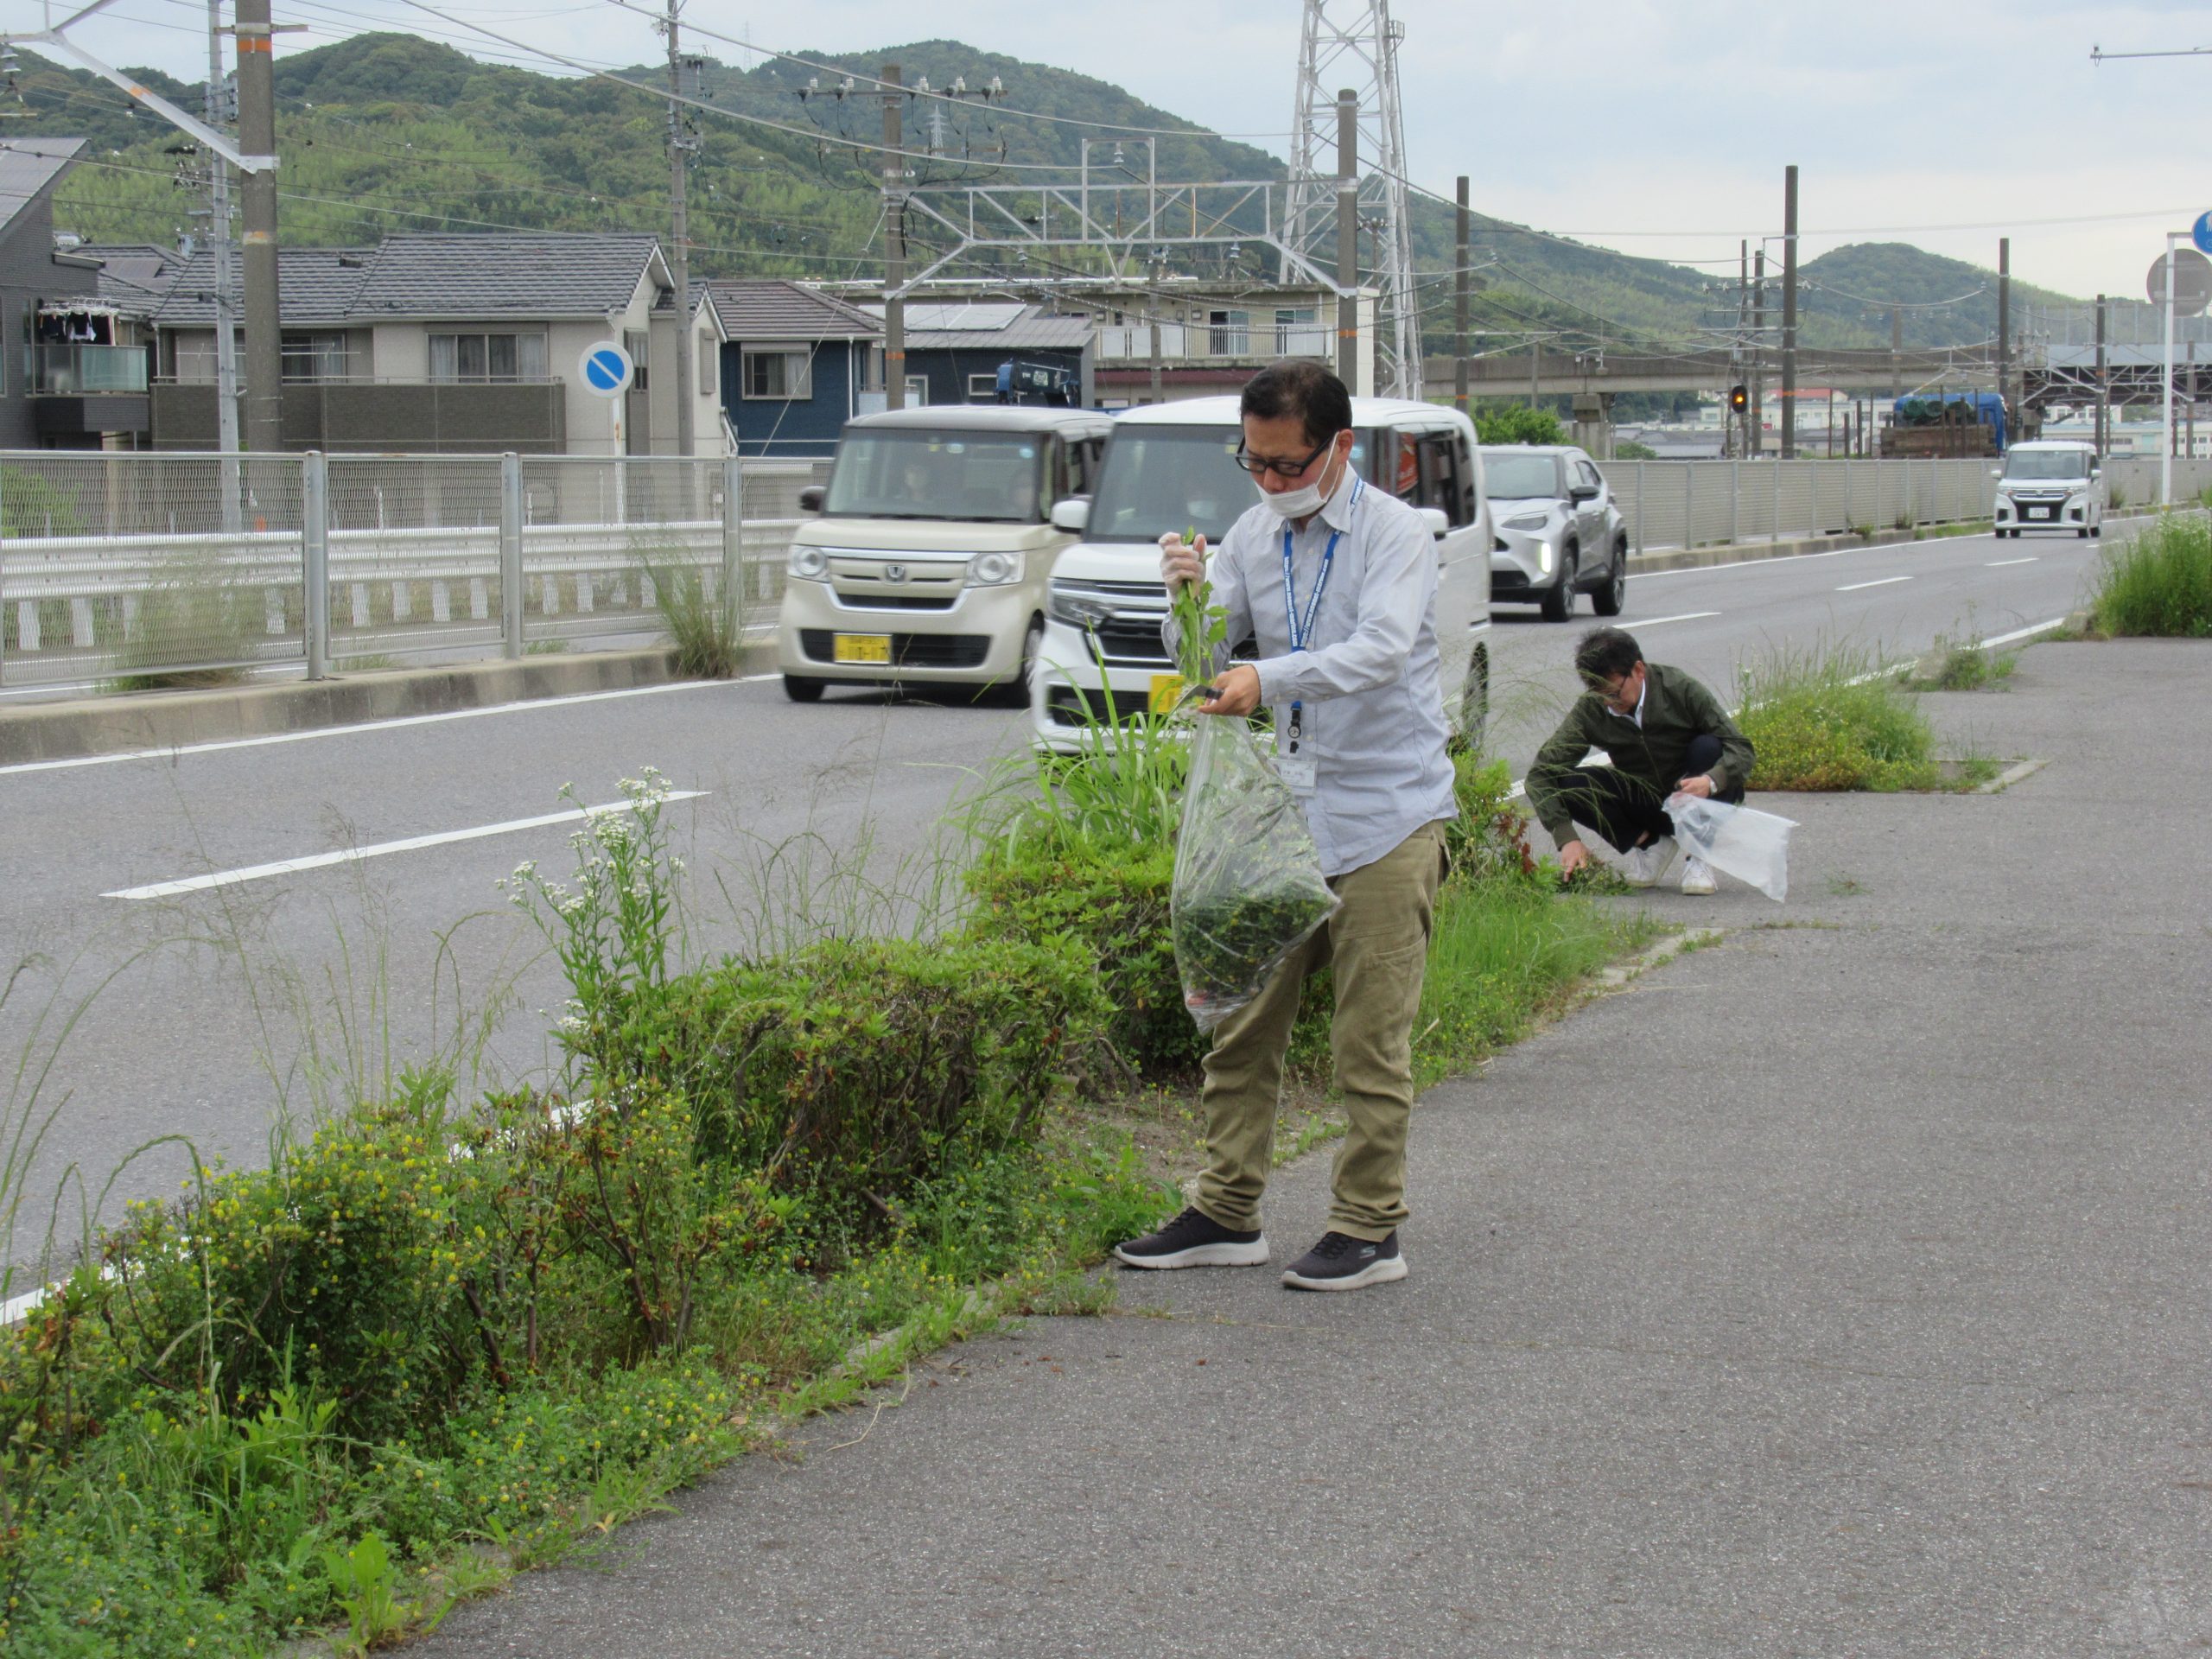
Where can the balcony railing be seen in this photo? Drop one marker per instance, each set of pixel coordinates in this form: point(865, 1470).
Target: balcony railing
point(77, 371)
point(1214, 342)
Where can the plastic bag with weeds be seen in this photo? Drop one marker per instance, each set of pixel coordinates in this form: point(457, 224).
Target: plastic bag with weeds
point(1741, 840)
point(1249, 888)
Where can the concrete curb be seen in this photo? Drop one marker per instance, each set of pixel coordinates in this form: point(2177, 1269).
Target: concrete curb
point(162, 719)
point(1698, 559)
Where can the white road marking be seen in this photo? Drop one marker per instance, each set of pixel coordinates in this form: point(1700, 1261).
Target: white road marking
point(1854, 587)
point(1998, 564)
point(1796, 558)
point(2023, 633)
point(355, 854)
point(1687, 616)
point(366, 726)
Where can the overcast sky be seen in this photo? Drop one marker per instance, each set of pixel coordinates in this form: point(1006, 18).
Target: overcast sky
point(1659, 128)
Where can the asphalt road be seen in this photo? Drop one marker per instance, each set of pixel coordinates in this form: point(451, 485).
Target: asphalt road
point(198, 1014)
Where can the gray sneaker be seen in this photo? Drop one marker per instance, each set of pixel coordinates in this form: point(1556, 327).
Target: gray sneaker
point(1340, 1261)
point(1195, 1239)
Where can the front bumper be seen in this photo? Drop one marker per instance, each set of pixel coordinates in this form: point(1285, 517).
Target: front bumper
point(976, 641)
point(1524, 564)
point(2051, 512)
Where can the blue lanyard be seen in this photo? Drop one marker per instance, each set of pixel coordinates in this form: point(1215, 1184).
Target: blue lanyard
point(1300, 633)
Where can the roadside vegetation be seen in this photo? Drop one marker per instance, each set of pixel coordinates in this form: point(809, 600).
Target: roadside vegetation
point(2157, 583)
point(450, 1332)
point(1963, 664)
point(1830, 718)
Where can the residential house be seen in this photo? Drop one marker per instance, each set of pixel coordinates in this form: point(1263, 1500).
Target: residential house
point(989, 351)
point(1212, 337)
point(797, 363)
point(455, 344)
point(68, 380)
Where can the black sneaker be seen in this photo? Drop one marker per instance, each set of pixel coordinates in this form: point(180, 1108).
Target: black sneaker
point(1340, 1261)
point(1194, 1239)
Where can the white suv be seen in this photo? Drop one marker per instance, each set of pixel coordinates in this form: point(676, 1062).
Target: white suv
point(1172, 467)
point(928, 565)
point(2050, 484)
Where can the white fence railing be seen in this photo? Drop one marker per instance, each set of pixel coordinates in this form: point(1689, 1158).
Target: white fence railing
point(1683, 503)
point(114, 566)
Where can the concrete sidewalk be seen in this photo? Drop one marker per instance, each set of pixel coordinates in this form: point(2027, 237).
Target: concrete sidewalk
point(1839, 1289)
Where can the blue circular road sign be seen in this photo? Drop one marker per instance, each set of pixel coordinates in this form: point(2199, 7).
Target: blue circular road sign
point(2201, 233)
point(605, 368)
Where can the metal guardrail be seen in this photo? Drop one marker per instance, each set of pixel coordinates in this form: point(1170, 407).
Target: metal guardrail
point(119, 565)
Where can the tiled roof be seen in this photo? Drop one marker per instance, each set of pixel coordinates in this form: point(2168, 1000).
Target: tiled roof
point(775, 310)
point(134, 276)
point(532, 275)
point(315, 286)
point(28, 166)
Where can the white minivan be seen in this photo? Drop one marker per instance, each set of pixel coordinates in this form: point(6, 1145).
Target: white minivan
point(927, 565)
point(1172, 467)
point(2050, 484)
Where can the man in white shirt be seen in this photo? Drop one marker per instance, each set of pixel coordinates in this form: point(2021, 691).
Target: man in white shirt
point(1335, 583)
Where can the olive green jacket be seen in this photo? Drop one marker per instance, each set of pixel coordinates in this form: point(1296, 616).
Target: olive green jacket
point(1676, 709)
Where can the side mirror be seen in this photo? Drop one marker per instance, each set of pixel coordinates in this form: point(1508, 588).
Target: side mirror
point(1997, 472)
point(809, 498)
point(1583, 492)
point(1434, 518)
point(1072, 515)
point(2096, 474)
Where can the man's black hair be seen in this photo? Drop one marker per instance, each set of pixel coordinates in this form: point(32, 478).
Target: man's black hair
point(1604, 654)
point(1300, 387)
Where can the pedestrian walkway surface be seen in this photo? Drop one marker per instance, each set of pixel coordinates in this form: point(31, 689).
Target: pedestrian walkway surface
point(1842, 1288)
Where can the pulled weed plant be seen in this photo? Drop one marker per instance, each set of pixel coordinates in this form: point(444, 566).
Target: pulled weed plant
point(2157, 583)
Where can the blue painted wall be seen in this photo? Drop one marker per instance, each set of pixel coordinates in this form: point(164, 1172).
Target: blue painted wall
point(792, 429)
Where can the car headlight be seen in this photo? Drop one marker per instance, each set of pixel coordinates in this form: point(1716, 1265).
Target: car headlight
point(1077, 610)
point(994, 570)
point(1528, 521)
point(809, 565)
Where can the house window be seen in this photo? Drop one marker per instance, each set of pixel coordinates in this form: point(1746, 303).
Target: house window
point(315, 357)
point(982, 388)
point(1228, 333)
point(636, 344)
point(710, 366)
point(783, 372)
point(485, 357)
point(917, 391)
point(1298, 331)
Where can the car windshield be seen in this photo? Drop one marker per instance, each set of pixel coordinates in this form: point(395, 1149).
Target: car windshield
point(1509, 477)
point(918, 473)
point(2047, 463)
point(1156, 478)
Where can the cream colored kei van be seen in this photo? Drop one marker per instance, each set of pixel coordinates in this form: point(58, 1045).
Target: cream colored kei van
point(928, 562)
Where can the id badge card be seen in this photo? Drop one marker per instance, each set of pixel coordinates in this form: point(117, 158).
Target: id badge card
point(1293, 757)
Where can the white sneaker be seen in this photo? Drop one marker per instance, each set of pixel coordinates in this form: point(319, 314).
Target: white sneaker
point(1645, 867)
point(1697, 876)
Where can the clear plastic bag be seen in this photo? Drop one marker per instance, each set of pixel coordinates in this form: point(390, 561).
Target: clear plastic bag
point(1249, 888)
point(1738, 841)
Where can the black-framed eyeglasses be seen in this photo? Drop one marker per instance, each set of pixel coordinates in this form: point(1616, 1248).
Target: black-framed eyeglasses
point(1255, 465)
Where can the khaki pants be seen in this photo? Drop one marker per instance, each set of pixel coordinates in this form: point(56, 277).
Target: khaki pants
point(1377, 944)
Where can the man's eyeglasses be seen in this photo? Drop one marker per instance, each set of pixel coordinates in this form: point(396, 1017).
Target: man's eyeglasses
point(1255, 465)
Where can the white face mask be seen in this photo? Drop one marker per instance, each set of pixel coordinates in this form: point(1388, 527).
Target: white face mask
point(1299, 503)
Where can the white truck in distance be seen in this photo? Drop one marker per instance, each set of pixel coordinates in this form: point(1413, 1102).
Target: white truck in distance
point(1171, 467)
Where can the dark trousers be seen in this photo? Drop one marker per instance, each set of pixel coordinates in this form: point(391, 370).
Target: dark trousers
point(1626, 811)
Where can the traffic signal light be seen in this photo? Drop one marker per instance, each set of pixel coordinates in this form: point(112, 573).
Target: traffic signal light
point(1740, 399)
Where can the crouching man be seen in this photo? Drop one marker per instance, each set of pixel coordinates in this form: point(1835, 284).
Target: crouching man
point(1663, 732)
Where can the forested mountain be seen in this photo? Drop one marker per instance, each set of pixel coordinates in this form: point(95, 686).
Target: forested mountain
point(390, 132)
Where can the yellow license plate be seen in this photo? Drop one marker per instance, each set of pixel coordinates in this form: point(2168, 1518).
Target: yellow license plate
point(862, 648)
point(1165, 689)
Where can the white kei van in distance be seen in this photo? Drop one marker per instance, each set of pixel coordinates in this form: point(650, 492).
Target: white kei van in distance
point(1172, 467)
point(2050, 484)
point(928, 563)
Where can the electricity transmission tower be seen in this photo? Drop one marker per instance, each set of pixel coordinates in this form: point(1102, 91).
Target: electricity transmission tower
point(1354, 44)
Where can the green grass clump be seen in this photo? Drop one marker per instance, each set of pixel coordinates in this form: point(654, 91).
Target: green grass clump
point(2158, 584)
point(1960, 665)
point(1828, 719)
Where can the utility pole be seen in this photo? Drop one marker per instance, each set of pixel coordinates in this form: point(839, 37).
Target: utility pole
point(1789, 313)
point(1460, 309)
point(2005, 328)
point(1348, 239)
point(2104, 384)
point(894, 244)
point(1755, 416)
point(1897, 352)
point(264, 339)
point(219, 245)
point(1739, 425)
point(681, 145)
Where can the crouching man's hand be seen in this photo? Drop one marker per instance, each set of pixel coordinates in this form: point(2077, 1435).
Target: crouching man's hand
point(1572, 857)
point(1700, 786)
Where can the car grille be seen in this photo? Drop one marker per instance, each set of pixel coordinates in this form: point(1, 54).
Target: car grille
point(891, 602)
point(1131, 641)
point(1065, 705)
point(908, 649)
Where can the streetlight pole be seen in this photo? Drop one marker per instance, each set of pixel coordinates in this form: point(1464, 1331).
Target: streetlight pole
point(2174, 239)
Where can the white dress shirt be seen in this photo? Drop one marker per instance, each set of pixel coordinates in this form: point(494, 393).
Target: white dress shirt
point(1367, 684)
